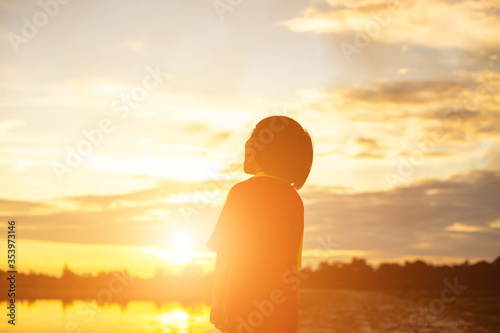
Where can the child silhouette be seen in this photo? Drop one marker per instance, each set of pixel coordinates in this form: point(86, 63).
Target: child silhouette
point(258, 235)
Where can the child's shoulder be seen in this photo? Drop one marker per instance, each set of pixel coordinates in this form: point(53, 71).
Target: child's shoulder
point(258, 188)
point(260, 184)
point(243, 185)
point(246, 186)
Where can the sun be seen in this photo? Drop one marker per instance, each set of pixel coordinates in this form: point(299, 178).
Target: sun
point(180, 240)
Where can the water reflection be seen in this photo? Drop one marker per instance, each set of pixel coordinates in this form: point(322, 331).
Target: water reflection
point(135, 316)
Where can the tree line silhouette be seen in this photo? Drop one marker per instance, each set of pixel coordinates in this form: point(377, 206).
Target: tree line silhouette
point(481, 278)
point(416, 275)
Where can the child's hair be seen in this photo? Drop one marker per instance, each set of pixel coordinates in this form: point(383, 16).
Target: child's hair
point(282, 148)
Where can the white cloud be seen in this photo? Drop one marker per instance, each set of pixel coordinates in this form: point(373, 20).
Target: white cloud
point(8, 125)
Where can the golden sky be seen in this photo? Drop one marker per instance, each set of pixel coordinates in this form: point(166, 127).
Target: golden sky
point(122, 125)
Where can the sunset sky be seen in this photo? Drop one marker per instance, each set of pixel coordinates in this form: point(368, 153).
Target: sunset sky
point(402, 100)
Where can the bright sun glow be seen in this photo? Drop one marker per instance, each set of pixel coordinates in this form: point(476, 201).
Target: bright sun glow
point(176, 316)
point(180, 240)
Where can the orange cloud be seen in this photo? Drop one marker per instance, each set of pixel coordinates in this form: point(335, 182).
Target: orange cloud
point(436, 24)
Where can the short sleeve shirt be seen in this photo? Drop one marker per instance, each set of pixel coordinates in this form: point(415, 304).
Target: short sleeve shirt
point(260, 230)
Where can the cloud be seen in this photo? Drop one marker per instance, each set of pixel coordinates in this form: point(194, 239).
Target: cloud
point(442, 126)
point(469, 89)
point(147, 197)
point(421, 219)
point(408, 92)
point(195, 127)
point(8, 125)
point(16, 207)
point(492, 159)
point(428, 218)
point(219, 138)
point(369, 143)
point(361, 147)
point(463, 106)
point(460, 227)
point(437, 24)
point(142, 218)
point(495, 224)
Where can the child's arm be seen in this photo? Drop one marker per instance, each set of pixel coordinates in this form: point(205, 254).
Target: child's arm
point(221, 277)
point(218, 312)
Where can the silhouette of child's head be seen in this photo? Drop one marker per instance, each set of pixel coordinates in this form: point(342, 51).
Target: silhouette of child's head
point(279, 146)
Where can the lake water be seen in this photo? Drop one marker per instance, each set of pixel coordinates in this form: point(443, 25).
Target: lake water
point(54, 316)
